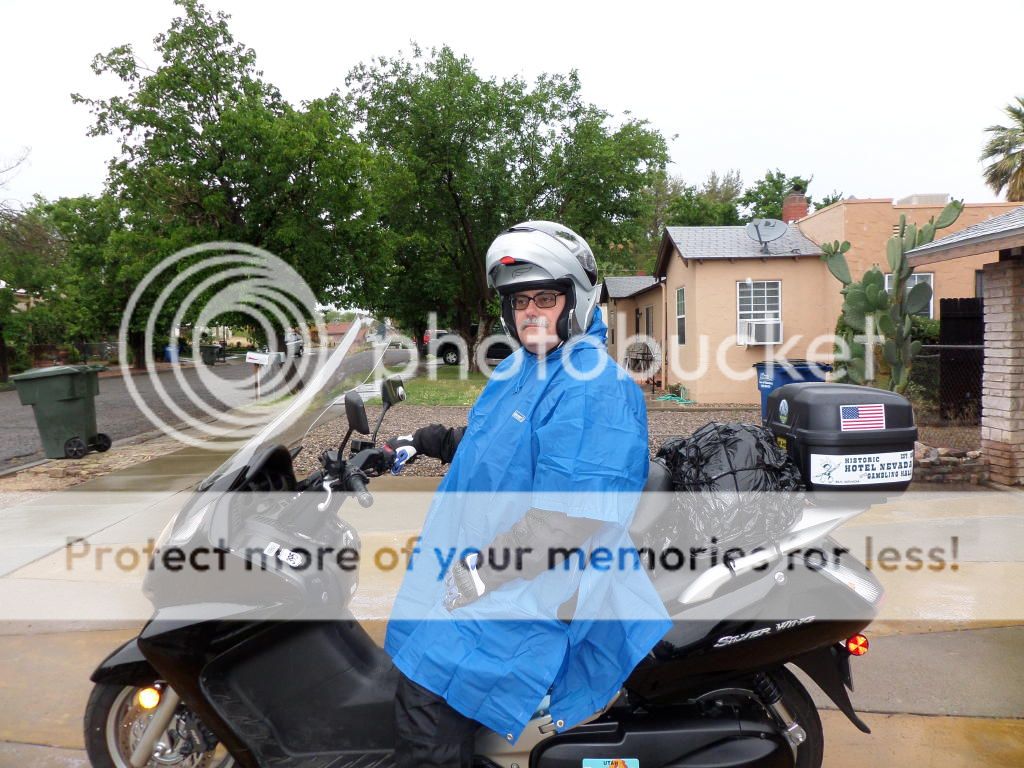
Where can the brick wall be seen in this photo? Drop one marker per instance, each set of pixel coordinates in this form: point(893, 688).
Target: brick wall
point(1002, 420)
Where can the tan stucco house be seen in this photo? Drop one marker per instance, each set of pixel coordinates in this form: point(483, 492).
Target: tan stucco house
point(868, 224)
point(623, 302)
point(726, 302)
point(719, 302)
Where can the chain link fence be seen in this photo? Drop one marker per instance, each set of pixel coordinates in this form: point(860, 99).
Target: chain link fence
point(945, 389)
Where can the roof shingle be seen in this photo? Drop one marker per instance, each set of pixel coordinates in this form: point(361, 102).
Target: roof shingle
point(733, 243)
point(982, 231)
point(622, 287)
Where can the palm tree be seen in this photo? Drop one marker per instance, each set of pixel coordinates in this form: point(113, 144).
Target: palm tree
point(1006, 150)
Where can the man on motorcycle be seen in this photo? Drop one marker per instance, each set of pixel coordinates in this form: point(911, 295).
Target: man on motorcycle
point(551, 462)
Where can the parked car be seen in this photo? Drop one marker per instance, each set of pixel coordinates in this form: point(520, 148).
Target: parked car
point(449, 352)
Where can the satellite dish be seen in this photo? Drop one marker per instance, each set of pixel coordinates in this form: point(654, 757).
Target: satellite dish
point(766, 230)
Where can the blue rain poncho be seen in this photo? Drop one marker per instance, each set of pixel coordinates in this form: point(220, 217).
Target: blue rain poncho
point(539, 436)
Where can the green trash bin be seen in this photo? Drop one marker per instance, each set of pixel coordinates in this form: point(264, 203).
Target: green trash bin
point(208, 354)
point(63, 400)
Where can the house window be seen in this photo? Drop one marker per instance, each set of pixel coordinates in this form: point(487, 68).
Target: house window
point(914, 279)
point(979, 283)
point(759, 312)
point(681, 315)
point(649, 320)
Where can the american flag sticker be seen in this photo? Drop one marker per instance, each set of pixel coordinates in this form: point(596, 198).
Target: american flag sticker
point(858, 418)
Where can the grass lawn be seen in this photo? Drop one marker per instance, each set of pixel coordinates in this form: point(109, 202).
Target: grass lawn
point(448, 389)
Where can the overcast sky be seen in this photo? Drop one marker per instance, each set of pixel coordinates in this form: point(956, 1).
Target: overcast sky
point(874, 99)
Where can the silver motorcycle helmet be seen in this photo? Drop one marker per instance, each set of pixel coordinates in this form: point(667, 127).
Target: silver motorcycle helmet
point(543, 254)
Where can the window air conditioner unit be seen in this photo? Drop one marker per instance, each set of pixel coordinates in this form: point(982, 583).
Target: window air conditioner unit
point(760, 332)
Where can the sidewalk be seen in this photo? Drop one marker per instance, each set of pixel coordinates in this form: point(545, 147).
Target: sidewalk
point(938, 686)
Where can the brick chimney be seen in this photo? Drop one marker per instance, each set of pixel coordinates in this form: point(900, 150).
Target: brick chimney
point(794, 206)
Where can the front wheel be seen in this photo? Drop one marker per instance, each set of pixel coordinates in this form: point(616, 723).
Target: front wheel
point(115, 721)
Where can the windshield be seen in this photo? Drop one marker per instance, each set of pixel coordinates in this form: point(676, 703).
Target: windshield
point(301, 399)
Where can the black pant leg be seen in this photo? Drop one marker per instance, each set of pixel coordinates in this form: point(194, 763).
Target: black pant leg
point(428, 732)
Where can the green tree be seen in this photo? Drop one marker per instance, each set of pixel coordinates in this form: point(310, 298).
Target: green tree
point(726, 188)
point(695, 207)
point(763, 200)
point(209, 151)
point(459, 157)
point(670, 201)
point(1005, 151)
point(29, 261)
point(82, 229)
point(339, 316)
point(833, 197)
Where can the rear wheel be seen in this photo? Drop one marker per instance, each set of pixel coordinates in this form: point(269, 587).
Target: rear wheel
point(450, 355)
point(115, 722)
point(798, 701)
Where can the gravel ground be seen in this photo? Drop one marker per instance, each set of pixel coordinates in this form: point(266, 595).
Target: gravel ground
point(403, 419)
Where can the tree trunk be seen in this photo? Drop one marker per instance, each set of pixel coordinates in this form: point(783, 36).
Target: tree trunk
point(4, 371)
point(418, 332)
point(465, 330)
point(137, 346)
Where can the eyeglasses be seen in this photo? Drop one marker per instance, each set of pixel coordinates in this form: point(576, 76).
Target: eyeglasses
point(543, 300)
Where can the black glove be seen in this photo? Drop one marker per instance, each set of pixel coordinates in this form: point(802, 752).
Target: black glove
point(408, 442)
point(462, 584)
point(376, 461)
point(435, 441)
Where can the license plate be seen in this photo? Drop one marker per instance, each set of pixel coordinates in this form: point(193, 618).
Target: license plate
point(615, 762)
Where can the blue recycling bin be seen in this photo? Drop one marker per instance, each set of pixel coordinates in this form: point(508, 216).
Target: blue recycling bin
point(171, 353)
point(772, 374)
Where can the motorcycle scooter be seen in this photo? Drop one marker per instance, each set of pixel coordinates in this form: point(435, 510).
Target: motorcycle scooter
point(215, 679)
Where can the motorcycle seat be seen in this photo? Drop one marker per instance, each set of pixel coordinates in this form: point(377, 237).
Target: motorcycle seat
point(655, 500)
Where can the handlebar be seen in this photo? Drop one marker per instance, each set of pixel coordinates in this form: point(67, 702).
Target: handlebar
point(355, 482)
point(349, 476)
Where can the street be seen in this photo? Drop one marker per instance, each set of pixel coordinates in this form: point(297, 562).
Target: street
point(118, 415)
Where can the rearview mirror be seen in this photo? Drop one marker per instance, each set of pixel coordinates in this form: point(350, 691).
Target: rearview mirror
point(392, 391)
point(356, 412)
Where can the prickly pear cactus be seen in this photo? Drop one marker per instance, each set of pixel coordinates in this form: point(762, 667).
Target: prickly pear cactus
point(871, 311)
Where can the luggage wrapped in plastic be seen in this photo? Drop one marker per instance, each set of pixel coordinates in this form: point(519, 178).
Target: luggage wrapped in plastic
point(734, 487)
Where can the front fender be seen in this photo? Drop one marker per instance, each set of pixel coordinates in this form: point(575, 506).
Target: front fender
point(125, 666)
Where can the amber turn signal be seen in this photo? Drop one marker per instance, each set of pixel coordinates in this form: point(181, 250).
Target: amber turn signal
point(857, 645)
point(149, 698)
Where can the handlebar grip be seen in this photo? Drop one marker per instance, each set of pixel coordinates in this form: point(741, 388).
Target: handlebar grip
point(357, 486)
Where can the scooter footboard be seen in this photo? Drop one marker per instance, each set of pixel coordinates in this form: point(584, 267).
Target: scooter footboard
point(306, 688)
